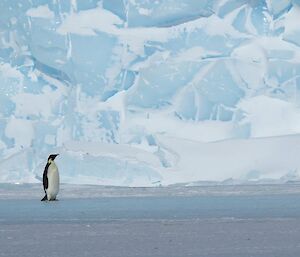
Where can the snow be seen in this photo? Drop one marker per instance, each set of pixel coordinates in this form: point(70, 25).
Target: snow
point(148, 93)
point(21, 131)
point(227, 221)
point(10, 72)
point(86, 22)
point(274, 118)
point(291, 33)
point(219, 237)
point(41, 11)
point(269, 158)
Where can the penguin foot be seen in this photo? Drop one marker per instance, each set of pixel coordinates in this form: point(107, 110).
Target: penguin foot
point(53, 200)
point(45, 198)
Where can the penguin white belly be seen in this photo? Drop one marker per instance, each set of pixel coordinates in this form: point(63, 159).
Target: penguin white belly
point(53, 182)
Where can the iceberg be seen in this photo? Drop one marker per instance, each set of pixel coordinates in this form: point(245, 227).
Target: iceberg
point(149, 93)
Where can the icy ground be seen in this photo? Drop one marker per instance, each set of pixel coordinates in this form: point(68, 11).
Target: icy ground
point(223, 221)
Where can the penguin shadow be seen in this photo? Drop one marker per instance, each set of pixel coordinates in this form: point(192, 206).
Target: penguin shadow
point(45, 199)
point(50, 201)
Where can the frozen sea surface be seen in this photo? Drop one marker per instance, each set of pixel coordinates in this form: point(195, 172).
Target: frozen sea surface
point(178, 221)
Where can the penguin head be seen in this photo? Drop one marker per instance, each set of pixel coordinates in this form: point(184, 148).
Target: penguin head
point(52, 157)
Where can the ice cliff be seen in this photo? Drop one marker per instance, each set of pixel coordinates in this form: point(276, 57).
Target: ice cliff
point(144, 92)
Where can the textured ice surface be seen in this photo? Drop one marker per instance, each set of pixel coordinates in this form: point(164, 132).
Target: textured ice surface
point(154, 238)
point(138, 93)
point(223, 221)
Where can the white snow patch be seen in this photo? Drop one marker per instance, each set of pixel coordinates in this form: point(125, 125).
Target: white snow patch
point(10, 72)
point(86, 22)
point(43, 103)
point(41, 107)
point(291, 25)
point(269, 158)
point(270, 116)
point(119, 151)
point(291, 20)
point(41, 11)
point(205, 131)
point(144, 11)
point(252, 64)
point(21, 131)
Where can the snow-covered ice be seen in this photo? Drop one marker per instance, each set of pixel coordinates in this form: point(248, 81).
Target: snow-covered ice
point(147, 93)
point(223, 221)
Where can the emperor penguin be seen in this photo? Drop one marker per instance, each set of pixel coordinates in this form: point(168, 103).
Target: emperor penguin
point(51, 179)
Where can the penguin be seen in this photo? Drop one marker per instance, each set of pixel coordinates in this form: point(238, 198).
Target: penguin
point(51, 179)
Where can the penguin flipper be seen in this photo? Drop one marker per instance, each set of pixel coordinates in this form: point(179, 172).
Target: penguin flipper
point(45, 198)
point(45, 177)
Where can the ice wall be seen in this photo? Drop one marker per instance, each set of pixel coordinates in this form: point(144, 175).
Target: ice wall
point(128, 75)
